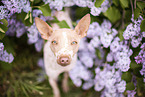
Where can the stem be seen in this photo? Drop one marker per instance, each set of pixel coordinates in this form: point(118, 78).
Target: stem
point(123, 15)
point(131, 6)
point(134, 4)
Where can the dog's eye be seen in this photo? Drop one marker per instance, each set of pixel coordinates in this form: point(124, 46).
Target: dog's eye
point(74, 42)
point(54, 42)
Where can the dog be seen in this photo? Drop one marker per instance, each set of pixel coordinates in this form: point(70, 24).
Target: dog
point(60, 50)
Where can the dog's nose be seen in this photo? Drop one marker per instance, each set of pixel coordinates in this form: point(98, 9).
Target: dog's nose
point(63, 60)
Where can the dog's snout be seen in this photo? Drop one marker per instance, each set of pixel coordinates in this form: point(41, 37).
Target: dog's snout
point(64, 60)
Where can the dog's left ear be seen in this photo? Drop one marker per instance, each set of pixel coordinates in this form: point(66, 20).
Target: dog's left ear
point(44, 29)
point(83, 25)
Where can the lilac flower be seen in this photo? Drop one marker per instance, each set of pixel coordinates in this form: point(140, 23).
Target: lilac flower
point(138, 59)
point(57, 4)
point(109, 57)
point(36, 12)
point(121, 86)
point(76, 77)
point(114, 46)
point(131, 93)
point(143, 34)
point(129, 32)
point(1, 47)
point(17, 5)
point(4, 56)
point(68, 3)
point(39, 45)
point(33, 34)
point(88, 61)
point(135, 42)
point(95, 11)
point(3, 12)
point(88, 85)
point(41, 63)
point(106, 40)
point(11, 58)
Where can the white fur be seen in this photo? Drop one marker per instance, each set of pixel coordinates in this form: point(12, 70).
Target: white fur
point(53, 69)
point(64, 50)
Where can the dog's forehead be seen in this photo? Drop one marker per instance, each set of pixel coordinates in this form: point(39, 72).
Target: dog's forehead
point(67, 33)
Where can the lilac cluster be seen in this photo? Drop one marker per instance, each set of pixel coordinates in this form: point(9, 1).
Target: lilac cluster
point(97, 10)
point(133, 32)
point(59, 4)
point(4, 56)
point(15, 27)
point(140, 59)
point(16, 6)
point(34, 37)
point(3, 12)
point(131, 93)
point(85, 74)
point(109, 80)
point(33, 34)
point(120, 53)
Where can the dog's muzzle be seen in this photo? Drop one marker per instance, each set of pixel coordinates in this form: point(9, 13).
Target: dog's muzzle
point(64, 60)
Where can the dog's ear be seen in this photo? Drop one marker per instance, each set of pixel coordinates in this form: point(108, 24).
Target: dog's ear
point(83, 25)
point(44, 29)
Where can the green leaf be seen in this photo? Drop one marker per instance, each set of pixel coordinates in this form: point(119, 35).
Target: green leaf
point(63, 24)
point(120, 34)
point(5, 66)
point(141, 5)
point(116, 2)
point(126, 76)
point(9, 45)
point(124, 3)
point(98, 53)
point(4, 21)
point(26, 18)
point(142, 26)
point(136, 71)
point(98, 3)
point(113, 14)
point(140, 82)
point(2, 35)
point(134, 65)
point(3, 28)
point(136, 13)
point(45, 10)
point(130, 86)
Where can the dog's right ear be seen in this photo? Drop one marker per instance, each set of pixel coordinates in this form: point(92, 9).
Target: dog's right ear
point(44, 29)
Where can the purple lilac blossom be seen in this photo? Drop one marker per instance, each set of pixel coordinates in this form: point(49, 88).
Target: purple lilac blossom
point(32, 34)
point(19, 28)
point(84, 74)
point(41, 63)
point(39, 45)
point(1, 47)
point(4, 56)
point(17, 5)
point(133, 30)
point(131, 93)
point(109, 80)
point(59, 4)
point(3, 12)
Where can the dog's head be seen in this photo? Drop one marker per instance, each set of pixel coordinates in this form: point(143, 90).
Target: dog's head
point(64, 42)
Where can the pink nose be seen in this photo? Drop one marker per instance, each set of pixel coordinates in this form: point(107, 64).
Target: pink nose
point(63, 60)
